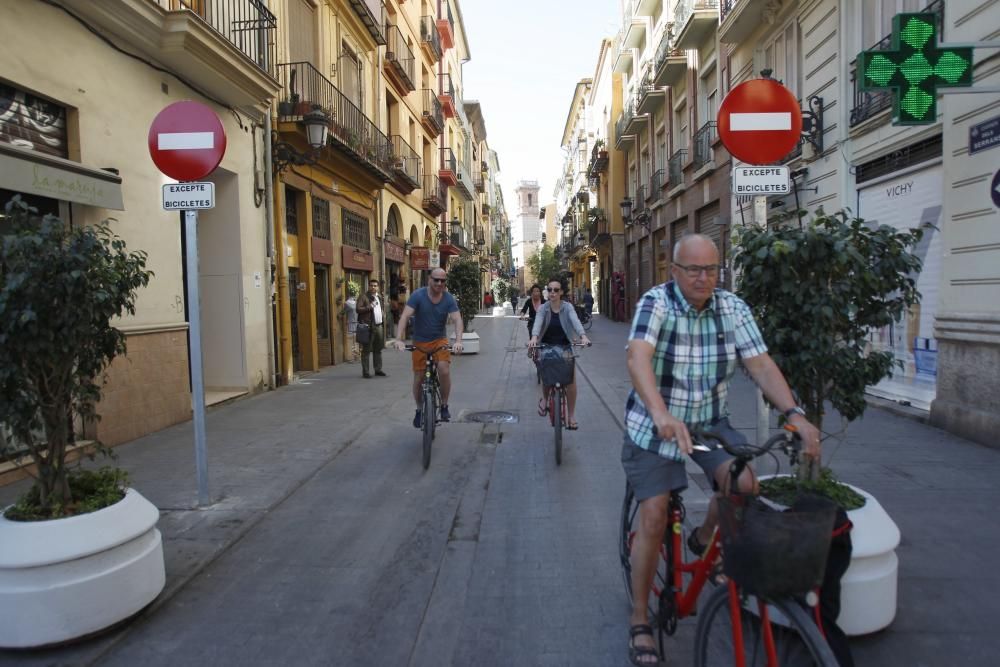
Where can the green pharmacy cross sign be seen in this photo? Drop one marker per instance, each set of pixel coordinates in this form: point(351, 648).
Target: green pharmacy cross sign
point(914, 68)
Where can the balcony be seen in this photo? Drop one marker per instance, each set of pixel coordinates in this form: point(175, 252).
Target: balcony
point(456, 235)
point(635, 28)
point(694, 21)
point(622, 139)
point(449, 170)
point(598, 160)
point(670, 63)
point(372, 14)
point(871, 103)
point(739, 18)
point(430, 40)
point(639, 207)
point(400, 64)
point(479, 181)
point(352, 133)
point(656, 182)
point(464, 184)
point(624, 59)
point(634, 122)
point(435, 196)
point(675, 168)
point(446, 95)
point(431, 114)
point(650, 98)
point(486, 210)
point(405, 165)
point(226, 46)
point(446, 27)
point(703, 140)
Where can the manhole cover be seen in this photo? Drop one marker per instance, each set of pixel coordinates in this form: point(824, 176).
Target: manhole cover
point(490, 417)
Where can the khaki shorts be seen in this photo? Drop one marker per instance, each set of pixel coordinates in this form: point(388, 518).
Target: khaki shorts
point(420, 354)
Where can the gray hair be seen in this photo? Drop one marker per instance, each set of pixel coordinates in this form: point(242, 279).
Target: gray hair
point(687, 239)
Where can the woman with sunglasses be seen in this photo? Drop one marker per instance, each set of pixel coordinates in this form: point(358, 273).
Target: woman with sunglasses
point(532, 305)
point(554, 323)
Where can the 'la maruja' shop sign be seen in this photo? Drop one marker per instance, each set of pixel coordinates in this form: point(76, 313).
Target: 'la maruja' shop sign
point(357, 259)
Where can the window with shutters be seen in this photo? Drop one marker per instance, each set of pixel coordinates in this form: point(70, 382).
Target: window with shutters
point(781, 56)
point(350, 77)
point(302, 24)
point(321, 218)
point(291, 211)
point(356, 233)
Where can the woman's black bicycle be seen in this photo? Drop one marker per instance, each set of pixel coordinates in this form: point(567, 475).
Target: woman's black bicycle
point(431, 401)
point(585, 318)
point(555, 371)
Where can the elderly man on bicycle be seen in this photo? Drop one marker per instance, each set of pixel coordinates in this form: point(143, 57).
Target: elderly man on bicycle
point(431, 307)
point(686, 339)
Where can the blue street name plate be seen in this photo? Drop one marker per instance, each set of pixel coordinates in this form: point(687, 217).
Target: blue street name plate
point(984, 135)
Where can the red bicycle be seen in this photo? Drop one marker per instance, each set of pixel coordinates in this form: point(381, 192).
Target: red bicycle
point(735, 626)
point(555, 371)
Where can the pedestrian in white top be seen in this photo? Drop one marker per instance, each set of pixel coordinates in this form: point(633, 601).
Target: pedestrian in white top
point(370, 314)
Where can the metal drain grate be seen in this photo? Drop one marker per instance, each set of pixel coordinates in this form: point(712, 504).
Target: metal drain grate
point(490, 417)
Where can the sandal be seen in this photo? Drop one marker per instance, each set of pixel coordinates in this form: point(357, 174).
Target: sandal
point(637, 653)
point(543, 407)
point(715, 575)
point(572, 426)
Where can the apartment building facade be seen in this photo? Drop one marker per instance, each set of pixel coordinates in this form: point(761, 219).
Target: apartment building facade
point(73, 142)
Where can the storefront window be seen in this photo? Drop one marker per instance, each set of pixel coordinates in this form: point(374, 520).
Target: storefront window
point(321, 218)
point(356, 233)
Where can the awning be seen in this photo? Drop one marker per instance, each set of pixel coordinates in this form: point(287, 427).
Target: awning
point(449, 249)
point(31, 172)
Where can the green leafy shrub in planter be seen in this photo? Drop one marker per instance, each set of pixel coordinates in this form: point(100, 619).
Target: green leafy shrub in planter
point(92, 490)
point(464, 285)
point(60, 289)
point(353, 289)
point(786, 488)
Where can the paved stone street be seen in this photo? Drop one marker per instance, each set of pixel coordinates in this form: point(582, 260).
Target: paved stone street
point(328, 544)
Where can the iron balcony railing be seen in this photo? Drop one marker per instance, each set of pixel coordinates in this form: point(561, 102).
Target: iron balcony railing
point(628, 113)
point(246, 24)
point(479, 181)
point(703, 140)
point(727, 6)
point(685, 8)
point(656, 182)
point(400, 57)
point(675, 167)
point(465, 185)
point(448, 160)
point(447, 87)
point(372, 14)
point(304, 89)
point(406, 161)
point(872, 102)
point(639, 205)
point(666, 48)
point(598, 159)
point(435, 194)
point(429, 36)
point(432, 109)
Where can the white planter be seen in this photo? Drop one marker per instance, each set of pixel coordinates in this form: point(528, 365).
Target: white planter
point(68, 578)
point(868, 588)
point(499, 311)
point(470, 343)
point(508, 309)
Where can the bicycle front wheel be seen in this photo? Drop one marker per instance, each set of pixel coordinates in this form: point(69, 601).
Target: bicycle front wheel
point(558, 405)
point(587, 323)
point(430, 416)
point(797, 640)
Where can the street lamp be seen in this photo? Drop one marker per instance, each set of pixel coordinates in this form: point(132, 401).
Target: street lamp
point(626, 205)
point(641, 217)
point(317, 125)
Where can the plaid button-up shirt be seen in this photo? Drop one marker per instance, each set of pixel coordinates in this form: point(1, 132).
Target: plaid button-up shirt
point(695, 356)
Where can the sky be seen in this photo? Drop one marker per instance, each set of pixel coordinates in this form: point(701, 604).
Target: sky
point(527, 56)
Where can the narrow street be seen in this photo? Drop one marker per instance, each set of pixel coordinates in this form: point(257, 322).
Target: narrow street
point(328, 544)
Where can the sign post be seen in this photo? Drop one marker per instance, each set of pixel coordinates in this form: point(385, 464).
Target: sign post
point(187, 142)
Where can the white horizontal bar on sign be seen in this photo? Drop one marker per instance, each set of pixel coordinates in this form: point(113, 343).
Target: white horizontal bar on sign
point(181, 141)
point(751, 122)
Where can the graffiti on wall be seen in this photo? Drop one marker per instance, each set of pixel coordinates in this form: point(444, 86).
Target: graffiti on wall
point(28, 121)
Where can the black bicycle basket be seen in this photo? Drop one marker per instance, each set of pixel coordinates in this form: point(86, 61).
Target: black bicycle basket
point(771, 553)
point(556, 366)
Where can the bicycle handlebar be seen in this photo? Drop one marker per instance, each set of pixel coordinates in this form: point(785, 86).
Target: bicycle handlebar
point(414, 348)
point(748, 452)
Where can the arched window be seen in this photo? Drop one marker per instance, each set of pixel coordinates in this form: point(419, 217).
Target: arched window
point(392, 226)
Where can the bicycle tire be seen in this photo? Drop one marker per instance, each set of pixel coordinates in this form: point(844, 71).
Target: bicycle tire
point(587, 323)
point(797, 644)
point(430, 416)
point(629, 516)
point(559, 404)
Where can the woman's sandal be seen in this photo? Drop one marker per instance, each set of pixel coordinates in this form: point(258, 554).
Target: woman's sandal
point(572, 426)
point(637, 653)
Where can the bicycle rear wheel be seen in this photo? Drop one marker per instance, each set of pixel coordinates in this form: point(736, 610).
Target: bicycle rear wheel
point(558, 406)
point(797, 640)
point(430, 417)
point(587, 323)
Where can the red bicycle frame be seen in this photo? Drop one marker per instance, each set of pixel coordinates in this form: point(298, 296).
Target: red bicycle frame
point(552, 404)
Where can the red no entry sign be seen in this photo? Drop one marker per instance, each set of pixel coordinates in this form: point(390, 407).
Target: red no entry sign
point(760, 121)
point(186, 141)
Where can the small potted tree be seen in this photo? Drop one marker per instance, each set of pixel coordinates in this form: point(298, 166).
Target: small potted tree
point(464, 285)
point(80, 550)
point(817, 290)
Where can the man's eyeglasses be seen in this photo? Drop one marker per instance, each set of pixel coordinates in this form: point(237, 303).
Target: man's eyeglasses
point(695, 270)
point(439, 280)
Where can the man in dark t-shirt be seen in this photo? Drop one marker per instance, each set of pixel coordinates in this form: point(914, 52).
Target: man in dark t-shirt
point(431, 307)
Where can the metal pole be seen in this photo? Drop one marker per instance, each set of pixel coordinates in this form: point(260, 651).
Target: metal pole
point(763, 414)
point(194, 344)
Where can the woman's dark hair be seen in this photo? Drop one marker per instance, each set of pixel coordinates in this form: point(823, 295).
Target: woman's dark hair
point(557, 279)
point(534, 287)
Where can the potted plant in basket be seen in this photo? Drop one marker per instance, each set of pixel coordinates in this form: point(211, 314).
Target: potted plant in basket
point(817, 290)
point(79, 551)
point(464, 284)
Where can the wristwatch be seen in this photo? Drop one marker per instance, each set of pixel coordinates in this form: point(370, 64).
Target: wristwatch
point(794, 410)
